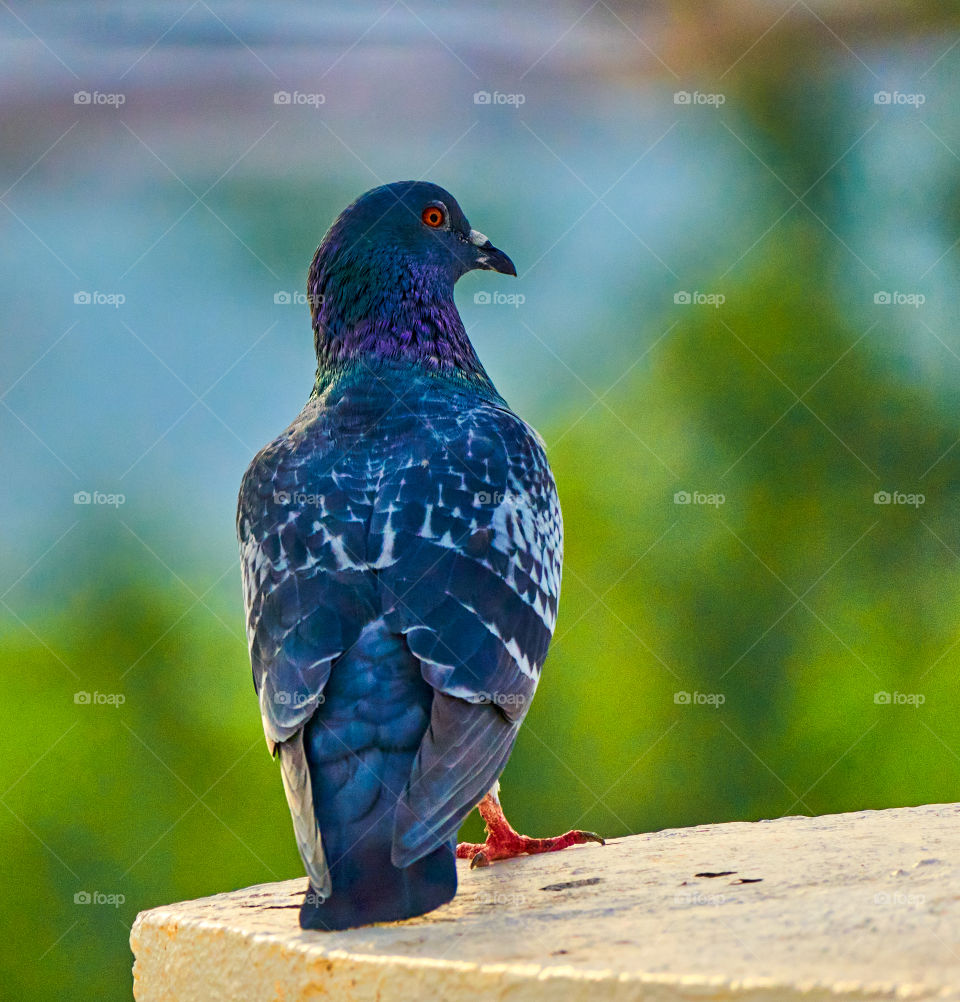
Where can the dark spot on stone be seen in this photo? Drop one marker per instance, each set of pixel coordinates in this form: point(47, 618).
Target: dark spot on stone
point(719, 873)
point(588, 882)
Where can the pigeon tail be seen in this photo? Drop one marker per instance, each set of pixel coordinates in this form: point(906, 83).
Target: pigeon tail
point(368, 888)
point(360, 745)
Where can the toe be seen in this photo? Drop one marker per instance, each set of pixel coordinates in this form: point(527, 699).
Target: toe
point(479, 859)
point(591, 837)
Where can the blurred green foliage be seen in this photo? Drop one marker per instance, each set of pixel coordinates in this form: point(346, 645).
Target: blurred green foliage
point(170, 794)
point(798, 599)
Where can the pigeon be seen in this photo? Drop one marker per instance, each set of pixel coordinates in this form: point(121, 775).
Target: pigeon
point(401, 549)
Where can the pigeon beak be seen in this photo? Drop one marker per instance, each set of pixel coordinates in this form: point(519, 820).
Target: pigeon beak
point(489, 257)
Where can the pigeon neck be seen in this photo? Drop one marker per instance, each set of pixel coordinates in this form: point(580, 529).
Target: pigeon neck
point(408, 319)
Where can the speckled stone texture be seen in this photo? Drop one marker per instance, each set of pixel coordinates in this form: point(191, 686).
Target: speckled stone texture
point(846, 906)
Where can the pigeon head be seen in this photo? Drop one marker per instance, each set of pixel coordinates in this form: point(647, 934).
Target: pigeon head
point(381, 283)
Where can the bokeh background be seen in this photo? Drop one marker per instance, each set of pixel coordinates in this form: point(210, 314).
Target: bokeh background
point(736, 226)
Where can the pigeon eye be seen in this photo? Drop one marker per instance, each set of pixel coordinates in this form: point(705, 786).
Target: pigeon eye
point(433, 216)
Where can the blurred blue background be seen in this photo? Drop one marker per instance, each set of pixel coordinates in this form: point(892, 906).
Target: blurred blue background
point(735, 324)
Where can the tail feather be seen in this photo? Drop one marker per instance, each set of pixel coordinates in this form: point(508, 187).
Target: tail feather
point(368, 888)
point(360, 746)
point(296, 784)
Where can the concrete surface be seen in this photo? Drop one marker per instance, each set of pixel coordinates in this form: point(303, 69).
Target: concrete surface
point(846, 906)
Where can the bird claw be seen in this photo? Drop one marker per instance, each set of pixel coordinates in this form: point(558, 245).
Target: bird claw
point(592, 837)
point(504, 842)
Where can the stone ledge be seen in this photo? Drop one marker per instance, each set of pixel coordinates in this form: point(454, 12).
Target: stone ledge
point(845, 906)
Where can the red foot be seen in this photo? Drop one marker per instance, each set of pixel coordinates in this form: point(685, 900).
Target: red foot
point(503, 842)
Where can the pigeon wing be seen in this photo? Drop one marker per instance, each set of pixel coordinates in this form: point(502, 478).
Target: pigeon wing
point(469, 570)
point(302, 517)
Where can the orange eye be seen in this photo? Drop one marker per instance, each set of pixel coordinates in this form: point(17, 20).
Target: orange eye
point(432, 215)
